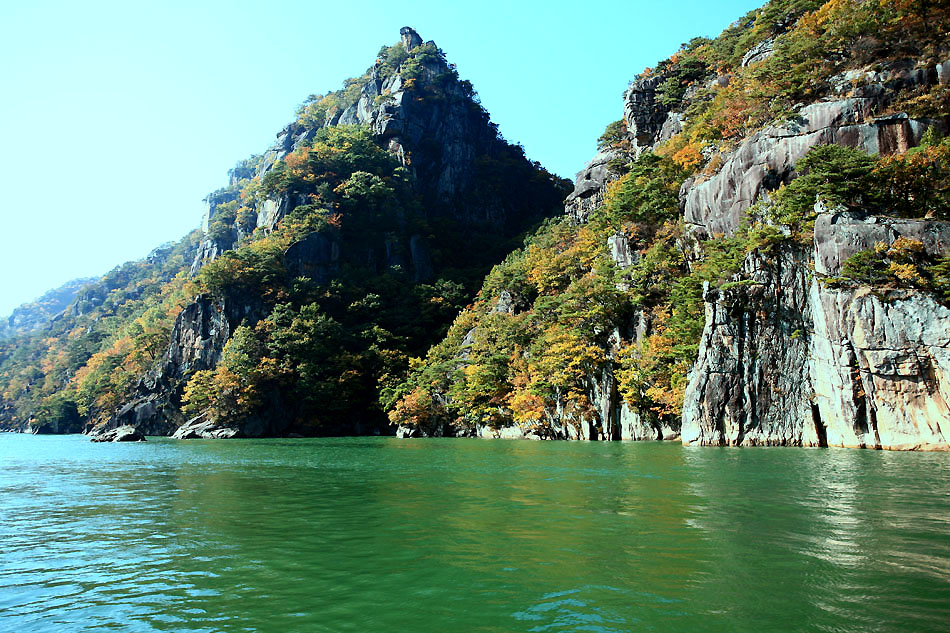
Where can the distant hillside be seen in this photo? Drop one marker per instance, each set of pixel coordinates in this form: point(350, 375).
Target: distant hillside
point(36, 315)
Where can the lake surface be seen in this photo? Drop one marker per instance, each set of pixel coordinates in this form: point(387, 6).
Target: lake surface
point(379, 534)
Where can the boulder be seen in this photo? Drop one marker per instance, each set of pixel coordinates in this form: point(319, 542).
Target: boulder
point(126, 433)
point(409, 38)
point(203, 427)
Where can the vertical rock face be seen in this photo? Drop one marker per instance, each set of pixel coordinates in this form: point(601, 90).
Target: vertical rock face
point(787, 359)
point(750, 382)
point(642, 112)
point(197, 340)
point(409, 38)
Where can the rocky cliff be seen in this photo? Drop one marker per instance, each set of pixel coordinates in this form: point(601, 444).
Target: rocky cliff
point(197, 340)
point(787, 358)
point(340, 217)
point(421, 113)
point(723, 321)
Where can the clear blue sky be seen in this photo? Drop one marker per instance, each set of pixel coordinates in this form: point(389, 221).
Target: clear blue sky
point(118, 117)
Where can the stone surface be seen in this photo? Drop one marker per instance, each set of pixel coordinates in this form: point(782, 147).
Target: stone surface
point(127, 433)
point(786, 359)
point(759, 53)
point(409, 38)
point(838, 236)
point(198, 338)
point(589, 186)
point(642, 112)
point(767, 159)
point(749, 384)
point(200, 427)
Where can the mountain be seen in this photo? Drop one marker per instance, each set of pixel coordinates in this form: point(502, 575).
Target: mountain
point(324, 265)
point(36, 315)
point(759, 254)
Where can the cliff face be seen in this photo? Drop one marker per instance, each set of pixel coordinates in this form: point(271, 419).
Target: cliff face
point(197, 340)
point(786, 357)
point(791, 351)
point(789, 359)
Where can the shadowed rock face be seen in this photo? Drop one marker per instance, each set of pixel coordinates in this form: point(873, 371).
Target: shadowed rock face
point(198, 338)
point(786, 359)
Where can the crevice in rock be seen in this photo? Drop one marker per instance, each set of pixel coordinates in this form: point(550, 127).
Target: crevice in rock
point(877, 436)
point(820, 429)
point(861, 417)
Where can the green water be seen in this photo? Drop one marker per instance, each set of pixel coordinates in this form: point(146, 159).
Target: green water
point(467, 535)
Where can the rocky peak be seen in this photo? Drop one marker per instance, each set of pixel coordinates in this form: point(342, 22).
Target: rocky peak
point(419, 110)
point(410, 39)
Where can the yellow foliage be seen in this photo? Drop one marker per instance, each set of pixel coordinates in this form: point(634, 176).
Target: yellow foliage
point(906, 272)
point(689, 157)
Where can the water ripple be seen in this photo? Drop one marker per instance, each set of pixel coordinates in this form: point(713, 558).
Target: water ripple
point(381, 535)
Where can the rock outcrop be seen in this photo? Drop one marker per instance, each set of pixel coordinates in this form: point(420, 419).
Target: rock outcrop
point(202, 427)
point(197, 341)
point(767, 159)
point(126, 433)
point(789, 359)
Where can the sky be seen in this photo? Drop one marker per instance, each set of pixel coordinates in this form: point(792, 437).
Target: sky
point(117, 118)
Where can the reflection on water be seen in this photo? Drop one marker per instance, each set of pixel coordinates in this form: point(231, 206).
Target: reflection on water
point(463, 535)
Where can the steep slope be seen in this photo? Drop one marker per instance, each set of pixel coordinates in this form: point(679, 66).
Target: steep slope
point(53, 380)
point(338, 253)
point(755, 255)
point(324, 264)
point(37, 315)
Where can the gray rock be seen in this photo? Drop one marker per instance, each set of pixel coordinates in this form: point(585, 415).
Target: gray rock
point(506, 303)
point(202, 427)
point(943, 72)
point(758, 53)
point(589, 186)
point(642, 112)
point(126, 433)
point(409, 38)
point(749, 384)
point(197, 341)
point(786, 359)
point(671, 127)
point(838, 236)
point(622, 251)
point(768, 158)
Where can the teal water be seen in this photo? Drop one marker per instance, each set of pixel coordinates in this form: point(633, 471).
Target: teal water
point(381, 534)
